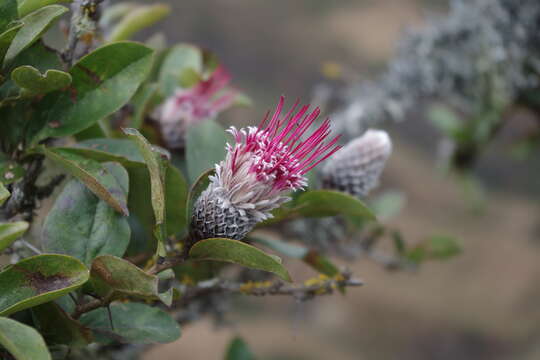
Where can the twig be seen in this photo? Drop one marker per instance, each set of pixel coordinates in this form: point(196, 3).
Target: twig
point(85, 15)
point(322, 285)
point(166, 263)
point(89, 306)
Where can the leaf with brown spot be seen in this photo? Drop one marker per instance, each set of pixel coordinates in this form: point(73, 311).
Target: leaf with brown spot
point(39, 279)
point(111, 276)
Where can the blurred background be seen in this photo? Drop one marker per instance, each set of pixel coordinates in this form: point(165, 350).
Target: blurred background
point(482, 304)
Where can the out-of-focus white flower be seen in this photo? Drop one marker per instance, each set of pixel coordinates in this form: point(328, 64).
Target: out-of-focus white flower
point(356, 168)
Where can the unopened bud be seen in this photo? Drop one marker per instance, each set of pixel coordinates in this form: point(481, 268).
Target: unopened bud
point(356, 168)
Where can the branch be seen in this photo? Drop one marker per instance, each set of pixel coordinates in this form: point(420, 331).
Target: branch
point(89, 306)
point(166, 263)
point(321, 285)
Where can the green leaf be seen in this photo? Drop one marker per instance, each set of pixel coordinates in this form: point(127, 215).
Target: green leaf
point(6, 38)
point(39, 279)
point(122, 151)
point(133, 323)
point(176, 195)
point(138, 19)
point(81, 225)
point(205, 147)
point(114, 277)
point(179, 58)
point(103, 81)
point(8, 13)
point(4, 194)
point(42, 59)
point(156, 167)
point(153, 159)
point(108, 182)
point(35, 24)
point(322, 203)
point(9, 232)
point(58, 327)
point(22, 341)
point(34, 83)
point(238, 350)
point(27, 6)
point(237, 252)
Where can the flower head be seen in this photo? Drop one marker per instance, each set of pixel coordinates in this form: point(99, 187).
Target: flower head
point(189, 106)
point(356, 168)
point(264, 164)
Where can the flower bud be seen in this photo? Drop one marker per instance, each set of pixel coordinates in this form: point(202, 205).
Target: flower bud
point(356, 168)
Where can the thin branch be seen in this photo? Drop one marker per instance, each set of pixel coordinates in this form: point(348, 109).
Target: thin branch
point(166, 263)
point(322, 285)
point(89, 306)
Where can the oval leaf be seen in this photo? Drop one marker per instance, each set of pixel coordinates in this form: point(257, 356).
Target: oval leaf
point(9, 232)
point(103, 81)
point(205, 147)
point(81, 225)
point(35, 24)
point(133, 323)
point(39, 279)
point(322, 203)
point(22, 341)
point(34, 83)
point(109, 183)
point(111, 276)
point(237, 252)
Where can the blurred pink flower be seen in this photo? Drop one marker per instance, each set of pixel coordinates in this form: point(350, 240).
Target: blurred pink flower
point(188, 106)
point(265, 163)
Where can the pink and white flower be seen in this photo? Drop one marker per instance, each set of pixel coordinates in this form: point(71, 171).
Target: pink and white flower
point(260, 169)
point(189, 106)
